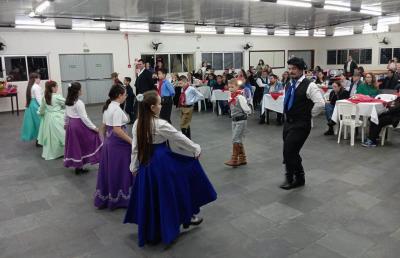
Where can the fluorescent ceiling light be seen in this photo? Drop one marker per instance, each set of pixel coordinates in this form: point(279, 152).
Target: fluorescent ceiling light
point(205, 30)
point(172, 28)
point(134, 27)
point(294, 3)
point(337, 8)
point(389, 20)
point(281, 32)
point(374, 9)
point(337, 2)
point(43, 6)
point(343, 31)
point(233, 31)
point(259, 31)
point(367, 28)
point(301, 33)
point(319, 33)
point(88, 25)
point(35, 27)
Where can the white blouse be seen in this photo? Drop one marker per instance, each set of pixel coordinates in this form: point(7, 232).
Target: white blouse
point(163, 131)
point(36, 93)
point(114, 116)
point(78, 111)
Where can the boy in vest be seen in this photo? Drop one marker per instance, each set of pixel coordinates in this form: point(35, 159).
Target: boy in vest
point(189, 96)
point(303, 100)
point(239, 111)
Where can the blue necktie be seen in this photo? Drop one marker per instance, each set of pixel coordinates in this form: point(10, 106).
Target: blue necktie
point(289, 97)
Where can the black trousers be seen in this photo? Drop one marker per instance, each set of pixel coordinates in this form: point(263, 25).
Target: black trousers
point(295, 134)
point(374, 129)
point(166, 108)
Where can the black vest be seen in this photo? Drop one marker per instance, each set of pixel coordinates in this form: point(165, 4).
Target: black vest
point(302, 106)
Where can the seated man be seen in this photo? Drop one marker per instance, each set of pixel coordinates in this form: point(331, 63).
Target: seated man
point(356, 81)
point(390, 117)
point(391, 81)
point(274, 86)
point(336, 94)
point(220, 85)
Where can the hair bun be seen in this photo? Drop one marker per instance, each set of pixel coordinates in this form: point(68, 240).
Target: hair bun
point(140, 97)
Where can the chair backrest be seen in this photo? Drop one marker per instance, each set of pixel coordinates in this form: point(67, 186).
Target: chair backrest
point(348, 112)
point(205, 90)
point(386, 97)
point(221, 95)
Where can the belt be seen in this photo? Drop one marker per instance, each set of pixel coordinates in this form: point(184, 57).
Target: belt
point(239, 118)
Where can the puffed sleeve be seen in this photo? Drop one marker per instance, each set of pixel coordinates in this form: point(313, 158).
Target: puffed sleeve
point(80, 109)
point(134, 166)
point(176, 138)
point(118, 118)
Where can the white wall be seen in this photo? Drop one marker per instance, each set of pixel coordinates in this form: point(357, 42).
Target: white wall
point(53, 43)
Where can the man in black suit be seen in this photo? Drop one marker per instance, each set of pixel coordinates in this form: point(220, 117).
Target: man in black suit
point(391, 80)
point(144, 81)
point(349, 67)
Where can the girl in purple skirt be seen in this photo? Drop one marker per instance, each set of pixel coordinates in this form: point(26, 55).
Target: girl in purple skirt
point(82, 140)
point(114, 179)
point(169, 187)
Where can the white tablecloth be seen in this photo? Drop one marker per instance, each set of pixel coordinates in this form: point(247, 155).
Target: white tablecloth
point(220, 95)
point(366, 109)
point(271, 104)
point(205, 90)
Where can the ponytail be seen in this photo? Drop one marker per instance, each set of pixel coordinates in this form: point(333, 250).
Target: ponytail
point(113, 94)
point(73, 93)
point(49, 91)
point(32, 78)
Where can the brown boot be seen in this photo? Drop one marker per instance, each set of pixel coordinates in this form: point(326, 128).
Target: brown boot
point(242, 155)
point(233, 162)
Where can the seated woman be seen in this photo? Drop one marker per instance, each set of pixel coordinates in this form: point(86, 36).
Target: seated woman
point(390, 117)
point(320, 81)
point(369, 87)
point(337, 93)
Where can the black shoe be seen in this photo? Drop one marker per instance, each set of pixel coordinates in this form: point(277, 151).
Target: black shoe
point(288, 184)
point(194, 221)
point(299, 180)
point(78, 171)
point(330, 131)
point(37, 144)
point(331, 123)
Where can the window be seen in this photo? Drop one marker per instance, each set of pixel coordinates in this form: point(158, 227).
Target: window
point(220, 61)
point(365, 56)
point(172, 63)
point(331, 57)
point(238, 60)
point(359, 55)
point(341, 56)
point(38, 64)
point(1, 68)
point(16, 68)
point(386, 54)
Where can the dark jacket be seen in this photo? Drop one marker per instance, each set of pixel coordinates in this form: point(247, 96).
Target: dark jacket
point(390, 83)
point(144, 82)
point(333, 97)
point(353, 66)
point(394, 112)
point(352, 85)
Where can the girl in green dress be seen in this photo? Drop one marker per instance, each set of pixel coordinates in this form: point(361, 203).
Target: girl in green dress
point(51, 130)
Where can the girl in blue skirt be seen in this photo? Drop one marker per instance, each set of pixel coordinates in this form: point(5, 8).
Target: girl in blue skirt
point(169, 188)
point(31, 123)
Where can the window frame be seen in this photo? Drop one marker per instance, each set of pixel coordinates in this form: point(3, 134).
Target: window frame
point(379, 54)
point(223, 58)
point(3, 60)
point(348, 52)
point(169, 59)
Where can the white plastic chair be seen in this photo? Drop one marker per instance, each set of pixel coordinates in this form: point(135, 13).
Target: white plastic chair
point(386, 97)
point(206, 91)
point(349, 117)
point(220, 95)
point(387, 130)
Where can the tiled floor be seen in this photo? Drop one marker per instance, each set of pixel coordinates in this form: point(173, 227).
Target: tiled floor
point(350, 206)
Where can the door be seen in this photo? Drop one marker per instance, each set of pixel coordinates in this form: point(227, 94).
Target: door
point(97, 90)
point(72, 67)
point(65, 85)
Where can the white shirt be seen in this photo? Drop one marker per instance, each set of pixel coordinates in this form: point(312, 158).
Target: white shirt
point(114, 116)
point(78, 111)
point(140, 72)
point(163, 131)
point(36, 93)
point(192, 96)
point(243, 104)
point(261, 84)
point(313, 93)
point(348, 66)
